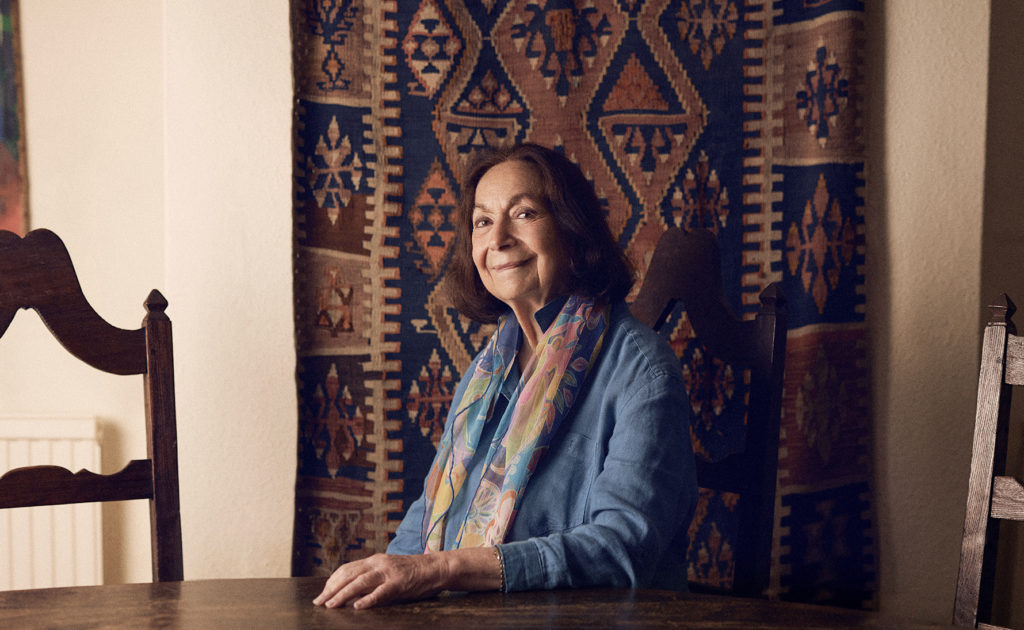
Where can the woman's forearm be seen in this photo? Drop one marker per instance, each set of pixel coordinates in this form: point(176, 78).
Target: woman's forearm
point(472, 569)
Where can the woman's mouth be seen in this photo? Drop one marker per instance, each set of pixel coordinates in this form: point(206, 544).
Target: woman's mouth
point(508, 265)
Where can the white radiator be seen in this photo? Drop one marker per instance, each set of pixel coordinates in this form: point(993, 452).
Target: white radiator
point(58, 545)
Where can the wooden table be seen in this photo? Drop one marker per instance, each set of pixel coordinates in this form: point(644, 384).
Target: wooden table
point(283, 603)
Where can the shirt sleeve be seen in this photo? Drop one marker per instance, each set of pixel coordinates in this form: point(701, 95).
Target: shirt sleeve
point(643, 496)
point(407, 537)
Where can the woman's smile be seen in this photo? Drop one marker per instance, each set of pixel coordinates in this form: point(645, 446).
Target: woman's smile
point(509, 265)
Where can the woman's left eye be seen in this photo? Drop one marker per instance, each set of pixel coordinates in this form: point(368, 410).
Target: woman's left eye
point(524, 213)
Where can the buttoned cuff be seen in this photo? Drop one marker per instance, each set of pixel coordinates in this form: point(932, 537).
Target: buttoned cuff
point(524, 566)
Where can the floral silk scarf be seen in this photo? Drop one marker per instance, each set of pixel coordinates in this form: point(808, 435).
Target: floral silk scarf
point(551, 381)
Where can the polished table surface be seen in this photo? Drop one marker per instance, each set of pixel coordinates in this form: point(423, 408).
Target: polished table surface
point(286, 603)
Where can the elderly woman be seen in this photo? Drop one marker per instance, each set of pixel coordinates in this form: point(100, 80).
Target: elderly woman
point(566, 458)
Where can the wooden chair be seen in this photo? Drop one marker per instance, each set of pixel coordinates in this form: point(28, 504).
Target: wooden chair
point(686, 266)
point(36, 272)
point(991, 496)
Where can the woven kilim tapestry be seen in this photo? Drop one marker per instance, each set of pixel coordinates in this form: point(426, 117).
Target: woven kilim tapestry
point(741, 116)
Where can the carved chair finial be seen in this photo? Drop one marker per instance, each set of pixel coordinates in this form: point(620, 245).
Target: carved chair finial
point(1001, 311)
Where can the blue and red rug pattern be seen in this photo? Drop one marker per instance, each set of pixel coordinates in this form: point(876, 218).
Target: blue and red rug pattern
point(742, 116)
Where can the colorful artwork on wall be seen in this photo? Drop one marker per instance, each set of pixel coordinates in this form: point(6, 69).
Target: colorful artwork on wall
point(13, 180)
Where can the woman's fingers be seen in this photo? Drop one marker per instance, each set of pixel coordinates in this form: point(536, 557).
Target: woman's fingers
point(382, 594)
point(357, 586)
point(342, 578)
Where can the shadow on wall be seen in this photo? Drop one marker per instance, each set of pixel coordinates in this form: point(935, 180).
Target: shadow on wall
point(1002, 264)
point(114, 457)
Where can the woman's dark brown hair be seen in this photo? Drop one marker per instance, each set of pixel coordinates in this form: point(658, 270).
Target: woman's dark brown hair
point(598, 267)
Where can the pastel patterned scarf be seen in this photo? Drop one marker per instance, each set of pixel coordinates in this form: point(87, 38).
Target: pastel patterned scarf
point(551, 381)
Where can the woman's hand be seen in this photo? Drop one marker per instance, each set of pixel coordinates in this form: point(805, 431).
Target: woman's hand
point(382, 579)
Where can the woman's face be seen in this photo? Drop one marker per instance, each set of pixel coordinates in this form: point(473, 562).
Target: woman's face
point(516, 248)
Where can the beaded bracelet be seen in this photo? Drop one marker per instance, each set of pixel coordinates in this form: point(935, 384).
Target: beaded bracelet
point(501, 565)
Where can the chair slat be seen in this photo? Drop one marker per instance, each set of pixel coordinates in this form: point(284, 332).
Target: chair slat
point(36, 272)
point(1007, 498)
point(1014, 360)
point(31, 486)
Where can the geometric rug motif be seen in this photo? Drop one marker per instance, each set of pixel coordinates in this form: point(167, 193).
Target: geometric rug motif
point(741, 116)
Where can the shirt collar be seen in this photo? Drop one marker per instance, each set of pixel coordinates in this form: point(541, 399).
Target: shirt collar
point(547, 314)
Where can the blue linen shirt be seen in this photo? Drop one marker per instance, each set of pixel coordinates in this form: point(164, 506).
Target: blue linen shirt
point(611, 501)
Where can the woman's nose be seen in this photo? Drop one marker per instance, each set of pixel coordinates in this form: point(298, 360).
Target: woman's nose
point(501, 234)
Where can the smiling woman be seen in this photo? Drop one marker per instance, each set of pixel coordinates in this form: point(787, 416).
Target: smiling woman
point(566, 458)
point(594, 262)
point(517, 249)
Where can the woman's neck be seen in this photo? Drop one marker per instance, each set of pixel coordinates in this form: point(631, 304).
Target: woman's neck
point(533, 322)
point(524, 355)
point(529, 337)
point(531, 329)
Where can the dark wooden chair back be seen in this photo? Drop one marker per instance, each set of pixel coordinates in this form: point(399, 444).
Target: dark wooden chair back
point(36, 272)
point(686, 267)
point(991, 495)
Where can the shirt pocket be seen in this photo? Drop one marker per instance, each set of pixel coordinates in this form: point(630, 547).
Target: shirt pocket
point(556, 497)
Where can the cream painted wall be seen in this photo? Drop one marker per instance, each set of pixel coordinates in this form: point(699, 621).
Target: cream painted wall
point(159, 149)
point(927, 110)
point(228, 225)
point(158, 139)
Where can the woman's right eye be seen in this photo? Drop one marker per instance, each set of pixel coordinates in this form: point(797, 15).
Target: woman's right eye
point(481, 222)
